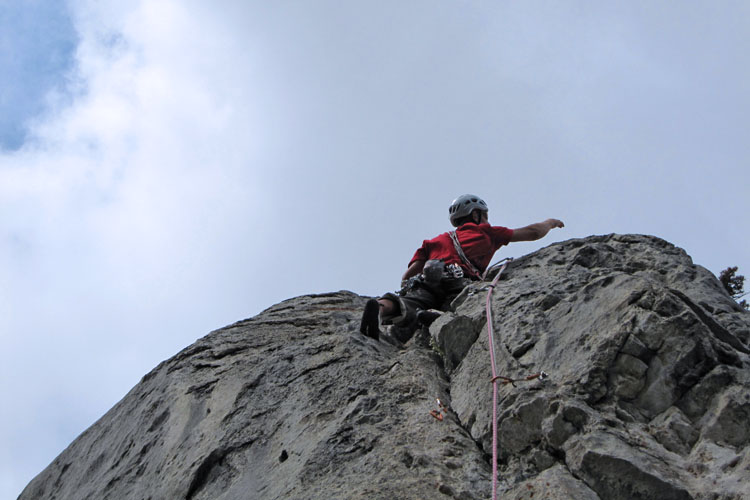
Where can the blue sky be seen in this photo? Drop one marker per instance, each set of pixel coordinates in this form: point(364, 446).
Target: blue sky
point(37, 45)
point(170, 167)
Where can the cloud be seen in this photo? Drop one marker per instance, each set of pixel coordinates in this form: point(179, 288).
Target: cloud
point(121, 216)
point(204, 161)
point(36, 42)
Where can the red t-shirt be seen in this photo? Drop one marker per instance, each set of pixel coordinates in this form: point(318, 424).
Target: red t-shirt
point(479, 242)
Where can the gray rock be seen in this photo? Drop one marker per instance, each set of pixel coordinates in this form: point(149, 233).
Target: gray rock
point(647, 396)
point(674, 431)
point(617, 470)
point(728, 422)
point(453, 337)
point(644, 351)
point(556, 483)
point(290, 404)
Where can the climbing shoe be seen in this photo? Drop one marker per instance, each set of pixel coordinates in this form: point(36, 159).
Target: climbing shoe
point(370, 325)
point(426, 317)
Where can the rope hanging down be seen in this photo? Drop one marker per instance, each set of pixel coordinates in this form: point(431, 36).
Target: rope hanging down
point(488, 307)
point(495, 376)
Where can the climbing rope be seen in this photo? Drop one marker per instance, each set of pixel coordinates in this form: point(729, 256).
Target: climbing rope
point(495, 376)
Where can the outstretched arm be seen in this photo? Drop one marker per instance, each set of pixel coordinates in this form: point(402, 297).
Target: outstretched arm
point(536, 231)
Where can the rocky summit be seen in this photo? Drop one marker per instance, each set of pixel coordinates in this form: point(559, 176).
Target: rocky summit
point(647, 396)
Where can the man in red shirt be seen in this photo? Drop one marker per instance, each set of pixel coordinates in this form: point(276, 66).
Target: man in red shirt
point(444, 265)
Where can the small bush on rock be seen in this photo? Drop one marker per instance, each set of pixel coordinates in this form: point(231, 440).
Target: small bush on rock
point(734, 284)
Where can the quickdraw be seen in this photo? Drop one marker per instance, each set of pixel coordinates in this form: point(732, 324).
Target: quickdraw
point(512, 381)
point(438, 414)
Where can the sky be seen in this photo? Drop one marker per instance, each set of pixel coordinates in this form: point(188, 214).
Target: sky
point(168, 168)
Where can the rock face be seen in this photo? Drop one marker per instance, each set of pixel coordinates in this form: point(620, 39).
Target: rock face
point(648, 396)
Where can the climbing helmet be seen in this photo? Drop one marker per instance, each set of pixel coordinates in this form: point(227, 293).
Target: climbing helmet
point(464, 205)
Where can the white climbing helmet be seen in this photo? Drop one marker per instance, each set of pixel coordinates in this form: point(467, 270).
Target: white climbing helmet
point(464, 205)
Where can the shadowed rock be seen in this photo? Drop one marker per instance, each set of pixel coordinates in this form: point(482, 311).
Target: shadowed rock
point(647, 396)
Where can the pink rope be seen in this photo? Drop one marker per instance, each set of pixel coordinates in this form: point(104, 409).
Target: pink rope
point(494, 381)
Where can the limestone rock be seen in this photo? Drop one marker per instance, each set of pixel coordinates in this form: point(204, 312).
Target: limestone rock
point(647, 359)
point(647, 396)
point(554, 483)
point(289, 404)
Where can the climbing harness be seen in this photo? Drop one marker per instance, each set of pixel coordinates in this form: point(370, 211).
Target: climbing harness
point(431, 276)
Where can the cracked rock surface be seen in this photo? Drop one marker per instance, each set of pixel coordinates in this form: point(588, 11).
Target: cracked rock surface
point(648, 396)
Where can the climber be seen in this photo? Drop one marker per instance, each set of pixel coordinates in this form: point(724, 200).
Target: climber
point(443, 266)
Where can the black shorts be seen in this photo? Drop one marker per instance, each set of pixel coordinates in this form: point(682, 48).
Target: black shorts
point(420, 295)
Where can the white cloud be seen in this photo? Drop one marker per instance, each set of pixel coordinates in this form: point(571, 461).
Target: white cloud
point(120, 218)
point(213, 159)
